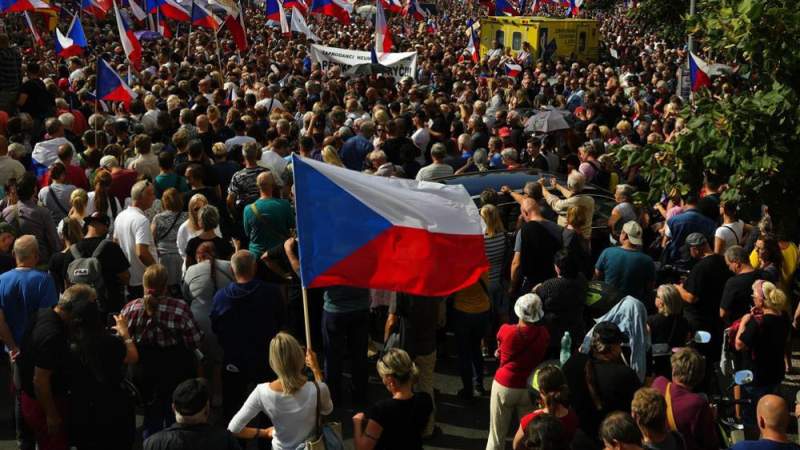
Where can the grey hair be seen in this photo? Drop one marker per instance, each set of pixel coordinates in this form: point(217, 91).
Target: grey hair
point(737, 254)
point(625, 190)
point(438, 150)
point(209, 217)
point(509, 153)
point(575, 181)
point(529, 188)
point(481, 157)
point(75, 294)
point(138, 189)
point(671, 298)
point(26, 248)
point(243, 263)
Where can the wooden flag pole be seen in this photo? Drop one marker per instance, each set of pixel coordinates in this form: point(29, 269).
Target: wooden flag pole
point(306, 320)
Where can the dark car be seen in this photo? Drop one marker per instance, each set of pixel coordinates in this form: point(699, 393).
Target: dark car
point(476, 182)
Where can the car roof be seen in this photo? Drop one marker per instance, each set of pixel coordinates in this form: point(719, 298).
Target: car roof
point(476, 182)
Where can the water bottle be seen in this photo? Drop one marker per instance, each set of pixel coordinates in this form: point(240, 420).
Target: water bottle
point(566, 345)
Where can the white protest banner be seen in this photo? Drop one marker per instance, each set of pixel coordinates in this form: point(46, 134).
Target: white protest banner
point(402, 64)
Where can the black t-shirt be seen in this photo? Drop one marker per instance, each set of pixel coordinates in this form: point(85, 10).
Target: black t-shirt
point(192, 437)
point(39, 103)
point(7, 262)
point(706, 282)
point(709, 206)
point(402, 421)
point(421, 315)
point(563, 303)
point(737, 295)
point(615, 382)
point(666, 333)
point(223, 248)
point(113, 262)
point(58, 269)
point(44, 345)
point(765, 342)
point(400, 150)
point(537, 248)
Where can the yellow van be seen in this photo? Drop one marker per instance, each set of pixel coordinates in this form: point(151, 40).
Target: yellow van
point(573, 39)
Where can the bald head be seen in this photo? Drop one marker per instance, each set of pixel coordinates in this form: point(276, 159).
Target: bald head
point(529, 209)
point(26, 251)
point(264, 182)
point(773, 414)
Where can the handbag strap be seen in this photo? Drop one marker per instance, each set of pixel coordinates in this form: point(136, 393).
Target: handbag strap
point(318, 422)
point(174, 221)
point(670, 416)
point(55, 199)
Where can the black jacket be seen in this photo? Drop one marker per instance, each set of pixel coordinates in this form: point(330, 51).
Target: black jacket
point(192, 437)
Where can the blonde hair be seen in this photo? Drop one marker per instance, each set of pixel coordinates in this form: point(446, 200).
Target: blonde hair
point(154, 282)
point(773, 297)
point(491, 217)
point(330, 156)
point(671, 300)
point(398, 364)
point(195, 203)
point(78, 199)
point(575, 217)
point(286, 358)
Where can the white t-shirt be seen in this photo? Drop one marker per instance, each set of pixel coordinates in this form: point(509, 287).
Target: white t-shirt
point(270, 103)
point(421, 138)
point(131, 228)
point(731, 233)
point(293, 416)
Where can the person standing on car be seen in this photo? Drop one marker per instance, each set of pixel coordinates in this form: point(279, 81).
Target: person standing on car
point(438, 168)
point(572, 197)
point(535, 245)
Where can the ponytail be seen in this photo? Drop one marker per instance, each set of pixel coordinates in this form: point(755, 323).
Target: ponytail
point(102, 180)
point(154, 281)
point(774, 298)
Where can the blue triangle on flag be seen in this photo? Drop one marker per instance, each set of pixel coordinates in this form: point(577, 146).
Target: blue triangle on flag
point(325, 242)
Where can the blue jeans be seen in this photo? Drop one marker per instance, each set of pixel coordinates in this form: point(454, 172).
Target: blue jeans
point(470, 329)
point(343, 332)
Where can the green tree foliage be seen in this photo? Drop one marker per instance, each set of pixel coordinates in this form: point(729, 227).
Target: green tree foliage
point(752, 136)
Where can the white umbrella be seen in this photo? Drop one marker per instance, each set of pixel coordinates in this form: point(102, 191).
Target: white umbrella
point(366, 10)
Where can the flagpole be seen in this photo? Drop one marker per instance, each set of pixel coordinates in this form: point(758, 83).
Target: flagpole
point(219, 58)
point(189, 36)
point(306, 320)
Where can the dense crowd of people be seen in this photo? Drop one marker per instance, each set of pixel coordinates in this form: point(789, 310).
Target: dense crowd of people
point(148, 263)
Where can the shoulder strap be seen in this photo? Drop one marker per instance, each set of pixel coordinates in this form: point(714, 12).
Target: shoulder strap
point(485, 288)
point(55, 199)
point(112, 202)
point(175, 221)
point(74, 250)
point(100, 248)
point(670, 415)
point(736, 235)
point(318, 422)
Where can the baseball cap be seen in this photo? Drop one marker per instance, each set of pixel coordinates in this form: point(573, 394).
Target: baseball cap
point(6, 227)
point(696, 240)
point(609, 333)
point(634, 232)
point(96, 217)
point(190, 397)
point(529, 308)
point(109, 161)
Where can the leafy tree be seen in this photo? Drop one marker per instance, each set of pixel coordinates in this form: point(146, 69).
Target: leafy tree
point(751, 137)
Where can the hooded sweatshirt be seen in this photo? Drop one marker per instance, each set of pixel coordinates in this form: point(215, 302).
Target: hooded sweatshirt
point(245, 317)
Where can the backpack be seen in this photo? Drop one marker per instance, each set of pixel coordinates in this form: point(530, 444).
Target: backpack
point(88, 270)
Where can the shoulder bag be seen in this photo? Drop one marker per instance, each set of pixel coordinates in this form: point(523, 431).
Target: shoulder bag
point(327, 435)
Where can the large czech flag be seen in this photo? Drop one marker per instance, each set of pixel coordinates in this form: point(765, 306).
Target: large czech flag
point(74, 42)
point(341, 9)
point(170, 8)
point(699, 73)
point(400, 235)
point(10, 6)
point(110, 86)
point(273, 11)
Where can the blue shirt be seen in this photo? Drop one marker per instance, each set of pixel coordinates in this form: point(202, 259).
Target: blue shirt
point(22, 292)
point(630, 271)
point(682, 225)
point(354, 152)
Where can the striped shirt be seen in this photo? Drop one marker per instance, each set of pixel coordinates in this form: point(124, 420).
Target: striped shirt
point(496, 254)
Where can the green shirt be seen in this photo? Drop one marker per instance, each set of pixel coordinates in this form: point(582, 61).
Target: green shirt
point(165, 181)
point(271, 228)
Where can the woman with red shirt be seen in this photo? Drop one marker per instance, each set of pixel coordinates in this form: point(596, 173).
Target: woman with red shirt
point(550, 386)
point(520, 348)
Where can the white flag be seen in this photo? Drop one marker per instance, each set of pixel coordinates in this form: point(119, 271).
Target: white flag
point(299, 25)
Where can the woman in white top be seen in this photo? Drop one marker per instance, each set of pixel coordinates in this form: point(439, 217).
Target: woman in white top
point(101, 200)
point(290, 401)
point(192, 227)
point(732, 232)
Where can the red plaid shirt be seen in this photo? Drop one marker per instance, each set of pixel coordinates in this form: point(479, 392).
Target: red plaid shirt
point(172, 320)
